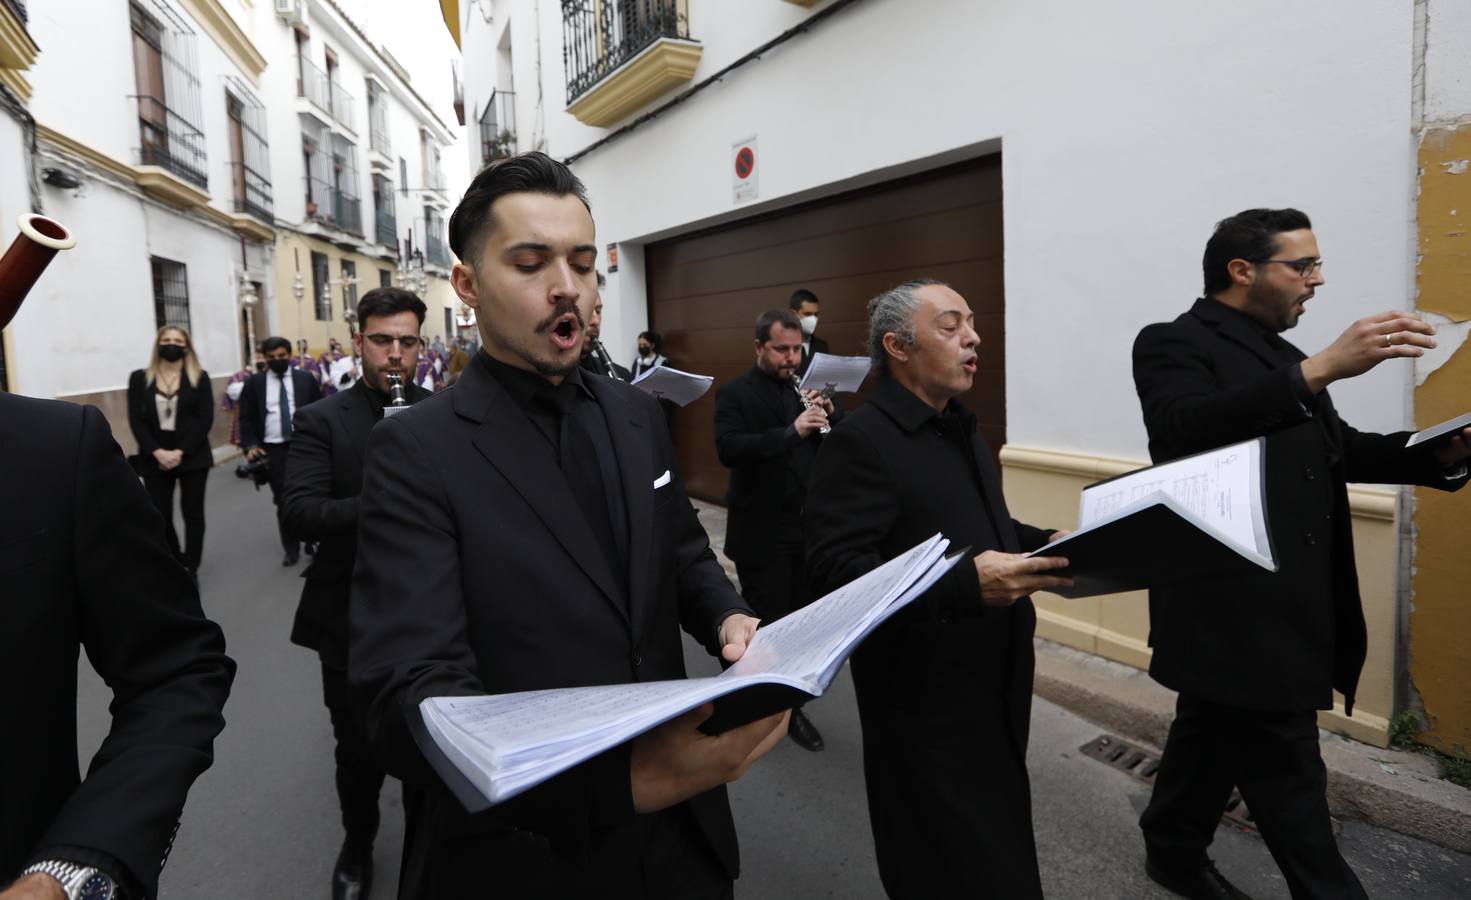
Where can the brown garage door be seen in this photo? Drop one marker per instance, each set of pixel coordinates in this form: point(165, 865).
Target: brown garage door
point(706, 289)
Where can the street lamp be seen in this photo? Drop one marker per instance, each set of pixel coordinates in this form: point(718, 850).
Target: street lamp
point(249, 301)
point(298, 290)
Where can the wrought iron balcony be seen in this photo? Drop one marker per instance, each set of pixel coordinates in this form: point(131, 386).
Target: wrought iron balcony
point(378, 126)
point(330, 206)
point(598, 37)
point(498, 127)
point(170, 142)
point(436, 251)
point(386, 232)
point(252, 192)
point(314, 86)
point(342, 107)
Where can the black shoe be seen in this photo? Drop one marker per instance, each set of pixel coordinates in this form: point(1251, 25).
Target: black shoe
point(803, 733)
point(293, 556)
point(1200, 882)
point(310, 548)
point(352, 877)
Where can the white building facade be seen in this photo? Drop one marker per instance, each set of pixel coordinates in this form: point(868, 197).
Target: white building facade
point(1061, 163)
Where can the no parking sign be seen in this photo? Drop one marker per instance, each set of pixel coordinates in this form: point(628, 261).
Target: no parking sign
point(743, 170)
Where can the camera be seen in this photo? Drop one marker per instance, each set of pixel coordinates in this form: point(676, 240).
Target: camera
point(258, 471)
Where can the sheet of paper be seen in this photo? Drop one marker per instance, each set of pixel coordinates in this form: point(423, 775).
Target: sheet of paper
point(1222, 488)
point(343, 373)
point(1435, 431)
point(835, 374)
point(665, 383)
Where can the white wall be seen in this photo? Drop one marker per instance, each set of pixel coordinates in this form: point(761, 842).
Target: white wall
point(1127, 130)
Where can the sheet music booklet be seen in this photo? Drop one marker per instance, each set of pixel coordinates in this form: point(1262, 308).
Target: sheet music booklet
point(667, 383)
point(835, 374)
point(1202, 516)
point(490, 748)
point(1446, 429)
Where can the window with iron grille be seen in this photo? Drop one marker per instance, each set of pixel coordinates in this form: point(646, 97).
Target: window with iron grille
point(601, 35)
point(349, 284)
point(249, 155)
point(498, 127)
point(170, 293)
point(385, 278)
point(378, 120)
point(385, 220)
point(167, 92)
point(320, 292)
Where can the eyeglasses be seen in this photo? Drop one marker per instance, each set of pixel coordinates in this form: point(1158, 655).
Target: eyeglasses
point(1305, 267)
point(407, 342)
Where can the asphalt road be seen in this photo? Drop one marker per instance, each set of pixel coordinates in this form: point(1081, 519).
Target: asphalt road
point(263, 821)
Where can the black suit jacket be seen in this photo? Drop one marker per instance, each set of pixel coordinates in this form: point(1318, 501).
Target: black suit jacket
point(817, 345)
point(476, 574)
point(194, 413)
point(324, 476)
point(1280, 641)
point(305, 388)
point(84, 565)
point(755, 439)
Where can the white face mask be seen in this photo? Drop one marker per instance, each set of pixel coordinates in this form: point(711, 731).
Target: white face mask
point(809, 324)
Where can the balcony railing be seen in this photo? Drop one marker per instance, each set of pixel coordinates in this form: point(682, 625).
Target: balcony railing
point(498, 127)
point(170, 142)
point(342, 107)
point(378, 125)
point(252, 192)
point(386, 230)
point(601, 36)
point(436, 251)
point(330, 206)
point(314, 86)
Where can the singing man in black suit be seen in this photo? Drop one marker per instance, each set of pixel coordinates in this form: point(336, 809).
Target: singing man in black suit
point(323, 482)
point(529, 529)
point(84, 564)
point(805, 305)
point(267, 403)
point(945, 687)
point(768, 439)
point(1254, 658)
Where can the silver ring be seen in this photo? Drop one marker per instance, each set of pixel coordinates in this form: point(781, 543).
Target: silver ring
point(1388, 341)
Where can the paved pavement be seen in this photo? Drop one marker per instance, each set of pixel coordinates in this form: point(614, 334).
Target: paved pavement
point(263, 823)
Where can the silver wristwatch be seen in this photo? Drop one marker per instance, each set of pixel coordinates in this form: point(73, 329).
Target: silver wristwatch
point(78, 882)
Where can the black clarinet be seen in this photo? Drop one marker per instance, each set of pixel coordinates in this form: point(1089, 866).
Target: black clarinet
point(601, 353)
point(396, 390)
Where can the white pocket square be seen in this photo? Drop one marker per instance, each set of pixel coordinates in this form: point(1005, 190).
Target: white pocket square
point(661, 480)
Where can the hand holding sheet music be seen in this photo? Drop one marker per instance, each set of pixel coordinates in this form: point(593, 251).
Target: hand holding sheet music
point(1443, 433)
point(666, 383)
point(835, 374)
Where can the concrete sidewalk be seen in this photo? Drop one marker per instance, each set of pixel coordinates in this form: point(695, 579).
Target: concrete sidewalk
point(1392, 789)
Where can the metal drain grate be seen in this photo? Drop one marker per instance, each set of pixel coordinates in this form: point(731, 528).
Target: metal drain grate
point(1119, 754)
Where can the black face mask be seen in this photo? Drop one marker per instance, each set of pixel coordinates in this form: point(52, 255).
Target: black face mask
point(260, 367)
point(170, 352)
point(279, 366)
point(645, 351)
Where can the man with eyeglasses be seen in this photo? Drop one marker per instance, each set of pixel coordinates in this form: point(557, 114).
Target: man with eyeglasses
point(324, 479)
point(1254, 658)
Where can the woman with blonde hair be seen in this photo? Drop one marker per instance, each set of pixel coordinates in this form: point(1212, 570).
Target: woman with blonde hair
point(171, 409)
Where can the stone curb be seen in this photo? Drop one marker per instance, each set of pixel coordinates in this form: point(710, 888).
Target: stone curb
point(1390, 789)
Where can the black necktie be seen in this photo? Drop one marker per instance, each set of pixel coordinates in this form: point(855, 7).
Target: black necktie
point(578, 458)
point(285, 411)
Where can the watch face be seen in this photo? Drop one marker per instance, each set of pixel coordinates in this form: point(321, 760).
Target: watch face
point(98, 887)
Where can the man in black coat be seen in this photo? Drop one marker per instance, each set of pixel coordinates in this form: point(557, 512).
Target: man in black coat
point(768, 439)
point(805, 305)
point(528, 529)
point(1254, 658)
point(323, 480)
point(267, 403)
point(595, 358)
point(84, 564)
point(944, 687)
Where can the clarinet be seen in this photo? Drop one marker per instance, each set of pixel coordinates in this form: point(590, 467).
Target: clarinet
point(602, 354)
point(396, 390)
point(806, 403)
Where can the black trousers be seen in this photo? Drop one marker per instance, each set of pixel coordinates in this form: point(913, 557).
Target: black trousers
point(776, 584)
point(359, 779)
point(1275, 761)
point(277, 454)
point(191, 502)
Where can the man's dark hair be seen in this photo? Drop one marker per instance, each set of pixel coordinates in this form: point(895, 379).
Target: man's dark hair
point(1250, 235)
point(773, 317)
point(533, 172)
point(800, 296)
point(274, 343)
point(386, 301)
point(653, 338)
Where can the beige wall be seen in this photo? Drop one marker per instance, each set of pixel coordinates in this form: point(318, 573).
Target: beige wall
point(291, 247)
point(1042, 488)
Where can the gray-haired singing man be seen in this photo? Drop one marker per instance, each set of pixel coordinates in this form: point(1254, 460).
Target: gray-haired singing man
point(945, 687)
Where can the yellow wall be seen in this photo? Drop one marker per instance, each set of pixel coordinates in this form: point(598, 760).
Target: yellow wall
point(289, 248)
point(1042, 488)
point(1440, 620)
